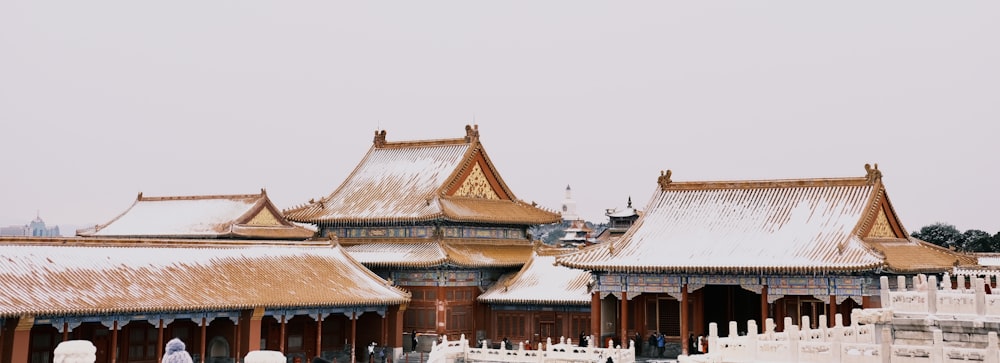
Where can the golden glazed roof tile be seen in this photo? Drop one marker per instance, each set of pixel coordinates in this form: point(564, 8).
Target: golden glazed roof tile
point(411, 181)
point(770, 226)
point(43, 277)
point(916, 256)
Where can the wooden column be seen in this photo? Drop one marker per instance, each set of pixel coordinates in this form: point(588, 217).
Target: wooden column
point(17, 339)
point(281, 343)
point(239, 342)
point(595, 316)
point(354, 337)
point(204, 332)
point(114, 342)
point(623, 328)
point(250, 321)
point(833, 311)
point(763, 306)
point(319, 334)
point(685, 320)
point(159, 341)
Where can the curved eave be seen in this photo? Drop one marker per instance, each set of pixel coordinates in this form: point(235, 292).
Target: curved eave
point(778, 270)
point(534, 302)
point(132, 309)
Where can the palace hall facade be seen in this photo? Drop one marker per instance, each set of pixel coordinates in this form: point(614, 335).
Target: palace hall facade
point(435, 218)
point(720, 251)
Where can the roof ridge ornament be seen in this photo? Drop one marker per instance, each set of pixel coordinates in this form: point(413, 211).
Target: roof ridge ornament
point(872, 174)
point(664, 179)
point(379, 140)
point(471, 133)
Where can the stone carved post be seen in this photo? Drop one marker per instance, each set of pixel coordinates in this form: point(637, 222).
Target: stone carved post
point(932, 294)
point(793, 340)
point(886, 345)
point(713, 338)
point(837, 338)
point(884, 292)
point(752, 339)
point(980, 296)
point(900, 283)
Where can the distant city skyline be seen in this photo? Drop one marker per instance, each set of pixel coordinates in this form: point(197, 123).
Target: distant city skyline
point(101, 101)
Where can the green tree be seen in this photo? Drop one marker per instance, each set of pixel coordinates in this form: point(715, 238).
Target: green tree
point(941, 234)
point(975, 240)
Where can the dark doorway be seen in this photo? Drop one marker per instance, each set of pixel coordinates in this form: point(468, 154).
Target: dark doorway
point(724, 303)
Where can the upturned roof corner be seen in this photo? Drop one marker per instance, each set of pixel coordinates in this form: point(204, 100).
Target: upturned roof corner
point(872, 174)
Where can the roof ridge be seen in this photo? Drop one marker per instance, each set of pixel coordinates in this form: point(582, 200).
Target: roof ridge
point(766, 183)
point(200, 197)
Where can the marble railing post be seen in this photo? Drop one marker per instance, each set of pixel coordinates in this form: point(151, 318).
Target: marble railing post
point(932, 289)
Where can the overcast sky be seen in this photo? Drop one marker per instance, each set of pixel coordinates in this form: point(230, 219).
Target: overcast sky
point(102, 100)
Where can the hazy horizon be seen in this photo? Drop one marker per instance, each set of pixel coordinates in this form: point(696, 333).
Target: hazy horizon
point(102, 100)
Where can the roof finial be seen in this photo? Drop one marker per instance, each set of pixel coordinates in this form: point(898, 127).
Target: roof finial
point(139, 197)
point(263, 191)
point(379, 140)
point(471, 133)
point(630, 201)
point(872, 174)
point(664, 179)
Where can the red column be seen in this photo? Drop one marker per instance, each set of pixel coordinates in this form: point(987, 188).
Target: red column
point(763, 306)
point(319, 334)
point(833, 311)
point(204, 329)
point(16, 339)
point(65, 330)
point(685, 323)
point(354, 337)
point(281, 344)
point(159, 342)
point(595, 317)
point(114, 342)
point(250, 321)
point(623, 329)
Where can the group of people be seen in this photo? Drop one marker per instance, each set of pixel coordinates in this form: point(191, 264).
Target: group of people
point(656, 343)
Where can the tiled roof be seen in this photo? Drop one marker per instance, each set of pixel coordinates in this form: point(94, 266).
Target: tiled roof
point(770, 226)
point(916, 256)
point(541, 281)
point(209, 216)
point(411, 181)
point(101, 276)
point(488, 255)
point(425, 254)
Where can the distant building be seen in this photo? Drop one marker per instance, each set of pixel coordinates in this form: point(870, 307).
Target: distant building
point(619, 220)
point(569, 206)
point(577, 234)
point(36, 228)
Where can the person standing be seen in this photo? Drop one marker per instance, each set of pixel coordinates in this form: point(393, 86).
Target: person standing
point(413, 340)
point(651, 344)
point(660, 342)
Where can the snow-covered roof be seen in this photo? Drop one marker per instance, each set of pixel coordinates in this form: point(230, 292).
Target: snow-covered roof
point(801, 225)
point(422, 180)
point(541, 281)
point(208, 216)
point(101, 276)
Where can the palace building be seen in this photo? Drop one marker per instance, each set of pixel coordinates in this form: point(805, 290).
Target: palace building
point(722, 251)
point(542, 300)
point(226, 274)
point(435, 218)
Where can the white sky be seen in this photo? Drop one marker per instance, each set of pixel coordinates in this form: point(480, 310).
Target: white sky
point(101, 100)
